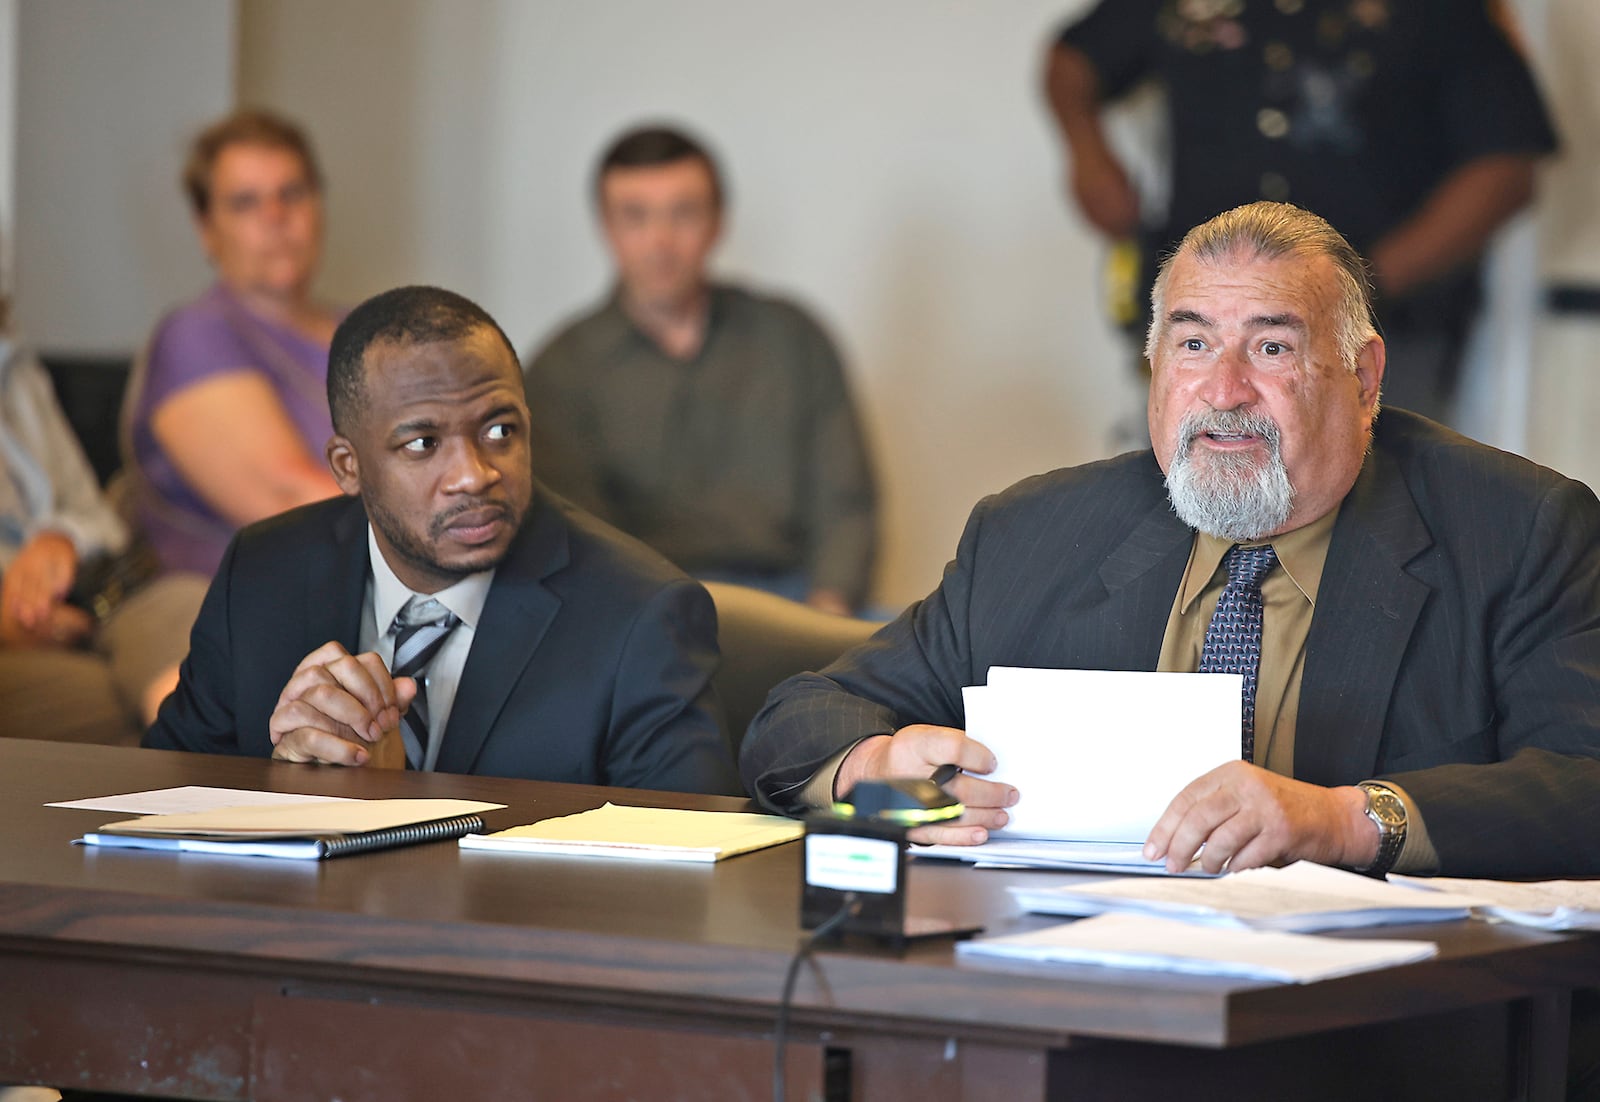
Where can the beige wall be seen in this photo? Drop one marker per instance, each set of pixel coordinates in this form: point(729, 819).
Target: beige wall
point(1565, 388)
point(891, 166)
point(8, 138)
point(107, 94)
point(1571, 222)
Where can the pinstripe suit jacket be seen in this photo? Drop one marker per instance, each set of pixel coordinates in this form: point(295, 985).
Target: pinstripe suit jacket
point(1455, 646)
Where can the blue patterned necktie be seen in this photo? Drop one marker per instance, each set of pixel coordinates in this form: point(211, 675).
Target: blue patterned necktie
point(420, 629)
point(1233, 638)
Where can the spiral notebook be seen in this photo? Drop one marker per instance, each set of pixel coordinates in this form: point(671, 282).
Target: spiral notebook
point(307, 832)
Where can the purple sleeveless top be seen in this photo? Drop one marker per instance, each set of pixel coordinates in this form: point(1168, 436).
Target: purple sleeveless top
point(214, 335)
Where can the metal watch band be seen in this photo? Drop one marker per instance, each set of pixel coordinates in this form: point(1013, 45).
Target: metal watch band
point(1391, 836)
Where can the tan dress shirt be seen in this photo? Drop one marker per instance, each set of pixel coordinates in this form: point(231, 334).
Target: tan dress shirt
point(1289, 597)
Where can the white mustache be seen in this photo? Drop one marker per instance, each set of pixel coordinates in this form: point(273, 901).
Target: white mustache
point(1227, 422)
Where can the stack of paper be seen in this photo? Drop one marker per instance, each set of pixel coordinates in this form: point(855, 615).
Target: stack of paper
point(1546, 904)
point(1302, 897)
point(1096, 755)
point(1005, 852)
point(1162, 944)
point(643, 833)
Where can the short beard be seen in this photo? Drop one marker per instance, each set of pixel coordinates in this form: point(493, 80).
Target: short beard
point(420, 554)
point(1231, 496)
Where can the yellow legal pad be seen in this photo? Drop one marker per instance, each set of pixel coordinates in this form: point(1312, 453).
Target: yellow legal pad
point(643, 834)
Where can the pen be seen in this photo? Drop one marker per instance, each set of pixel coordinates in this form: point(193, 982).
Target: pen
point(945, 774)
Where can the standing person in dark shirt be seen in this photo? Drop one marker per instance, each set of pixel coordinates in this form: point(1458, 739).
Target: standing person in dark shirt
point(711, 422)
point(1413, 128)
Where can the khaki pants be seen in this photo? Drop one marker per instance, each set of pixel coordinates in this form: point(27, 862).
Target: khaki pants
point(94, 694)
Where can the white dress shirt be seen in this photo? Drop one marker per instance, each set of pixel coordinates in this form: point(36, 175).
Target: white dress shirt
point(386, 595)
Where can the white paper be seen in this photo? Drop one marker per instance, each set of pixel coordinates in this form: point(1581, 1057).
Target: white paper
point(191, 798)
point(1121, 858)
point(1546, 904)
point(1160, 944)
point(1097, 755)
point(1302, 897)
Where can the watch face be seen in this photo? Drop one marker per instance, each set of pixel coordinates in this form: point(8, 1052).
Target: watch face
point(1387, 808)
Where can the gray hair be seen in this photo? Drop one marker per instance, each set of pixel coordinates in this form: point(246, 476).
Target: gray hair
point(1273, 231)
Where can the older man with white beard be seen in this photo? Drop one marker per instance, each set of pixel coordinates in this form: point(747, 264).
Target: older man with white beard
point(1426, 609)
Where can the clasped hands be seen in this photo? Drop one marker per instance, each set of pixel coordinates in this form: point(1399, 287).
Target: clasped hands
point(337, 707)
point(33, 595)
point(1242, 815)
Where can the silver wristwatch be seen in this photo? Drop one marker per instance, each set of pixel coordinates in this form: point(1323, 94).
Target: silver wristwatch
point(1386, 809)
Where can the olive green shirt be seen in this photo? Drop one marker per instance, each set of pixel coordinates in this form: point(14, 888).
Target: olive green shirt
point(746, 458)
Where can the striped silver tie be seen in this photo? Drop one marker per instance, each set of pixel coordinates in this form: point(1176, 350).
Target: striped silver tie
point(420, 629)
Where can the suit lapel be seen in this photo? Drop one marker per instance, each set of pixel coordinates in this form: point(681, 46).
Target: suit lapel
point(336, 587)
point(1141, 575)
point(1367, 608)
point(516, 615)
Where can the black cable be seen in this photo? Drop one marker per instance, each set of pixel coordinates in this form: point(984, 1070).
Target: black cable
point(848, 909)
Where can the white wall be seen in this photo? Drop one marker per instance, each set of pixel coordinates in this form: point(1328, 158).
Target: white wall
point(107, 95)
point(1566, 376)
point(8, 138)
point(1571, 207)
point(891, 165)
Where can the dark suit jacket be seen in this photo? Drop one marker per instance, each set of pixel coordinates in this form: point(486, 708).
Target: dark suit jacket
point(1455, 646)
point(591, 663)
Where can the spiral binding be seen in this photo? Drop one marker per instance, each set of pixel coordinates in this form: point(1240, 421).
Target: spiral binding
point(436, 831)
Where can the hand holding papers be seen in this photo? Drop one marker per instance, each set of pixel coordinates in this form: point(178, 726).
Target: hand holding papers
point(1096, 755)
point(918, 750)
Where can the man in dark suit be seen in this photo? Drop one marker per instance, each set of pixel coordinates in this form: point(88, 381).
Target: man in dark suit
point(448, 601)
point(1428, 689)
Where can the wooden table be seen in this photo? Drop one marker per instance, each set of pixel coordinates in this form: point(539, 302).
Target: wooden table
point(433, 973)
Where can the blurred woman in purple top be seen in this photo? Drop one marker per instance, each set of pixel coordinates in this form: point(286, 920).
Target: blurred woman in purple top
point(228, 410)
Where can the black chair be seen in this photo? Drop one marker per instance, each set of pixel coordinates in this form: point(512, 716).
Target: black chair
point(90, 390)
point(765, 639)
